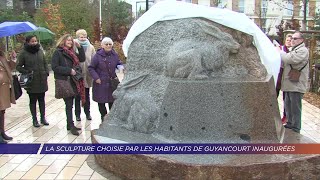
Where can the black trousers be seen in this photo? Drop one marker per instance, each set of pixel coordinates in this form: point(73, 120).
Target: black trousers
point(34, 97)
point(103, 109)
point(86, 107)
point(69, 106)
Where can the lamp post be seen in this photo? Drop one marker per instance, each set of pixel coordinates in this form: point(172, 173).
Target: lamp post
point(304, 21)
point(147, 5)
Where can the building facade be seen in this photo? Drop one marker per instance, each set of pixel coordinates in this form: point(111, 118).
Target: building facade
point(269, 13)
point(29, 6)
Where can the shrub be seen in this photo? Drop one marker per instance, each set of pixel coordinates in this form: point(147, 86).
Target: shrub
point(118, 48)
point(48, 54)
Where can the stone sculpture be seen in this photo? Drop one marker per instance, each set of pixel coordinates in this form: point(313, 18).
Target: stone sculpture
point(203, 50)
point(195, 81)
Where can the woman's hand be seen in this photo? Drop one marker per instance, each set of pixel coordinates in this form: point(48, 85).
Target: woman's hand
point(73, 72)
point(98, 81)
point(76, 43)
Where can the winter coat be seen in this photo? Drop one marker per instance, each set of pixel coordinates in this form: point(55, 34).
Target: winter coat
point(6, 87)
point(297, 57)
point(89, 52)
point(278, 85)
point(28, 62)
point(62, 64)
point(103, 64)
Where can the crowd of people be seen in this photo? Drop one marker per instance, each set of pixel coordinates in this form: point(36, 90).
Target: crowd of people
point(77, 65)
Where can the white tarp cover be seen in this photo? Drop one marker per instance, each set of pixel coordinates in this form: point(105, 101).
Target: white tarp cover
point(169, 10)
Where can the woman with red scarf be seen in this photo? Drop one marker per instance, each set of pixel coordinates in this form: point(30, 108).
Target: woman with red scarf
point(64, 61)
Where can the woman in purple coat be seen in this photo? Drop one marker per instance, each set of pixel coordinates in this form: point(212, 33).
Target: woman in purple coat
point(101, 69)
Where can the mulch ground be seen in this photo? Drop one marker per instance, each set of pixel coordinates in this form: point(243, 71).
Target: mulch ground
point(312, 98)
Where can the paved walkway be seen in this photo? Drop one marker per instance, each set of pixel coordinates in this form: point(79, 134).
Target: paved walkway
point(19, 125)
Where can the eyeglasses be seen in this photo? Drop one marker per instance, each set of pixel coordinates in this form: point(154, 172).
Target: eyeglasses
point(295, 38)
point(108, 44)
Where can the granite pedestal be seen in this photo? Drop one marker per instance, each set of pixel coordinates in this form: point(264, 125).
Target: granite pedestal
point(211, 112)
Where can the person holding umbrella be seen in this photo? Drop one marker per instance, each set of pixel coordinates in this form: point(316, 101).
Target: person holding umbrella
point(32, 60)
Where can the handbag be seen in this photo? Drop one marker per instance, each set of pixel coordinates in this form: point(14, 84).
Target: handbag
point(16, 87)
point(25, 79)
point(114, 83)
point(78, 75)
point(63, 89)
point(294, 74)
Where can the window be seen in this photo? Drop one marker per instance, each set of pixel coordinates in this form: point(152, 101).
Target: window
point(222, 4)
point(264, 8)
point(288, 8)
point(37, 4)
point(188, 1)
point(302, 8)
point(241, 6)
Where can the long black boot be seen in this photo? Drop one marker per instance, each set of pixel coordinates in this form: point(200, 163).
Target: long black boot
point(33, 111)
point(42, 109)
point(2, 129)
point(87, 105)
point(70, 124)
point(73, 129)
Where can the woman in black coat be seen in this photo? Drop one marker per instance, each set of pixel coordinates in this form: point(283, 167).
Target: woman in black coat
point(31, 59)
point(63, 63)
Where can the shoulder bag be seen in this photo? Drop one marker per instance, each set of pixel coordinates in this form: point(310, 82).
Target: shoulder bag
point(114, 82)
point(63, 89)
point(78, 75)
point(25, 79)
point(294, 74)
point(16, 87)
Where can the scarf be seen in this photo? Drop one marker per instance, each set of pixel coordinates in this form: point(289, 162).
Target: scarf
point(80, 83)
point(285, 48)
point(32, 48)
point(84, 43)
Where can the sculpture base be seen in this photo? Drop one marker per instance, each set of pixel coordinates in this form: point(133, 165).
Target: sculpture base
point(220, 111)
point(262, 166)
